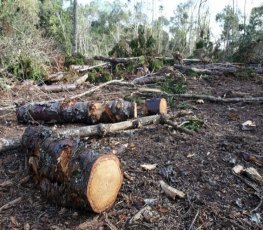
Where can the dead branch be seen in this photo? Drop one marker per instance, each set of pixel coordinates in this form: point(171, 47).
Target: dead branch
point(176, 127)
point(93, 89)
point(83, 68)
point(116, 60)
point(148, 79)
point(64, 87)
point(92, 130)
point(204, 97)
point(103, 129)
point(218, 69)
point(58, 88)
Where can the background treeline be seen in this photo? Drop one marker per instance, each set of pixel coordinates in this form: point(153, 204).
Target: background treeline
point(38, 34)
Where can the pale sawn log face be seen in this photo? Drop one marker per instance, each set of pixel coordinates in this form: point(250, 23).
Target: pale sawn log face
point(155, 106)
point(69, 173)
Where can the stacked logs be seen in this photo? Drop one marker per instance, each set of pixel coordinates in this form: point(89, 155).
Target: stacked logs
point(69, 173)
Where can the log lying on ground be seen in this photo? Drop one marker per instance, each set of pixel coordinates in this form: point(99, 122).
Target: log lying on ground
point(115, 60)
point(83, 68)
point(70, 174)
point(218, 69)
point(72, 111)
point(64, 87)
point(148, 79)
point(91, 130)
point(155, 106)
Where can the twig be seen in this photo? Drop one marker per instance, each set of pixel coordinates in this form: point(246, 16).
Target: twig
point(93, 89)
point(257, 191)
point(108, 222)
point(175, 126)
point(192, 224)
point(10, 204)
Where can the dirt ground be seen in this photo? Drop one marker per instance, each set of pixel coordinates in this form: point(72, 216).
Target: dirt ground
point(199, 165)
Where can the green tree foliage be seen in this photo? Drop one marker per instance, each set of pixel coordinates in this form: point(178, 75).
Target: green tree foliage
point(23, 50)
point(250, 47)
point(229, 21)
point(56, 22)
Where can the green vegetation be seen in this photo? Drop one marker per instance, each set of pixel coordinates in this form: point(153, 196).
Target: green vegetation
point(34, 32)
point(173, 86)
point(193, 124)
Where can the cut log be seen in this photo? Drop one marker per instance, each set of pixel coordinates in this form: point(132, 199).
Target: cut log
point(72, 111)
point(70, 174)
point(155, 106)
point(91, 130)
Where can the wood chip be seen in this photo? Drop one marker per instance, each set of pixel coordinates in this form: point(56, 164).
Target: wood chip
point(149, 166)
point(238, 169)
point(253, 174)
point(170, 191)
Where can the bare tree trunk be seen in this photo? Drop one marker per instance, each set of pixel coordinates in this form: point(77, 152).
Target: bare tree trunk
point(75, 30)
point(245, 16)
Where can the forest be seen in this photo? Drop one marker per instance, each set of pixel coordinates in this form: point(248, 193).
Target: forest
point(115, 114)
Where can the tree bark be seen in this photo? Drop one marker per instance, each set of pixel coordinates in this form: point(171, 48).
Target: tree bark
point(91, 130)
point(72, 111)
point(70, 174)
point(75, 27)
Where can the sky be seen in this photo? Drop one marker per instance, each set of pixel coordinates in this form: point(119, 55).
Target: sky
point(215, 6)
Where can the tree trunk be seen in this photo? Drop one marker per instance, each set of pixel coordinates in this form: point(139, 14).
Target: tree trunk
point(70, 174)
point(72, 111)
point(75, 27)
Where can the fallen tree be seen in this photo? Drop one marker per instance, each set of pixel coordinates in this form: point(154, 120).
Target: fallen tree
point(71, 174)
point(64, 87)
point(218, 68)
point(72, 111)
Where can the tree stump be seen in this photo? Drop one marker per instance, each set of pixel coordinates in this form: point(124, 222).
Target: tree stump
point(70, 174)
point(155, 106)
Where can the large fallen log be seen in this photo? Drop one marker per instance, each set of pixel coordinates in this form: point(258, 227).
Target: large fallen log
point(71, 174)
point(72, 111)
point(91, 130)
point(218, 68)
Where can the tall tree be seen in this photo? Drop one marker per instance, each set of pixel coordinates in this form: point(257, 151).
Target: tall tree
point(75, 27)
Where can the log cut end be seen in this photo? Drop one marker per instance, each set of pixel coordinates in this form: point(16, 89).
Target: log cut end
point(155, 106)
point(104, 183)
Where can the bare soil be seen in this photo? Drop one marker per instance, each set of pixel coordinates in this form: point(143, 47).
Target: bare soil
point(199, 165)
